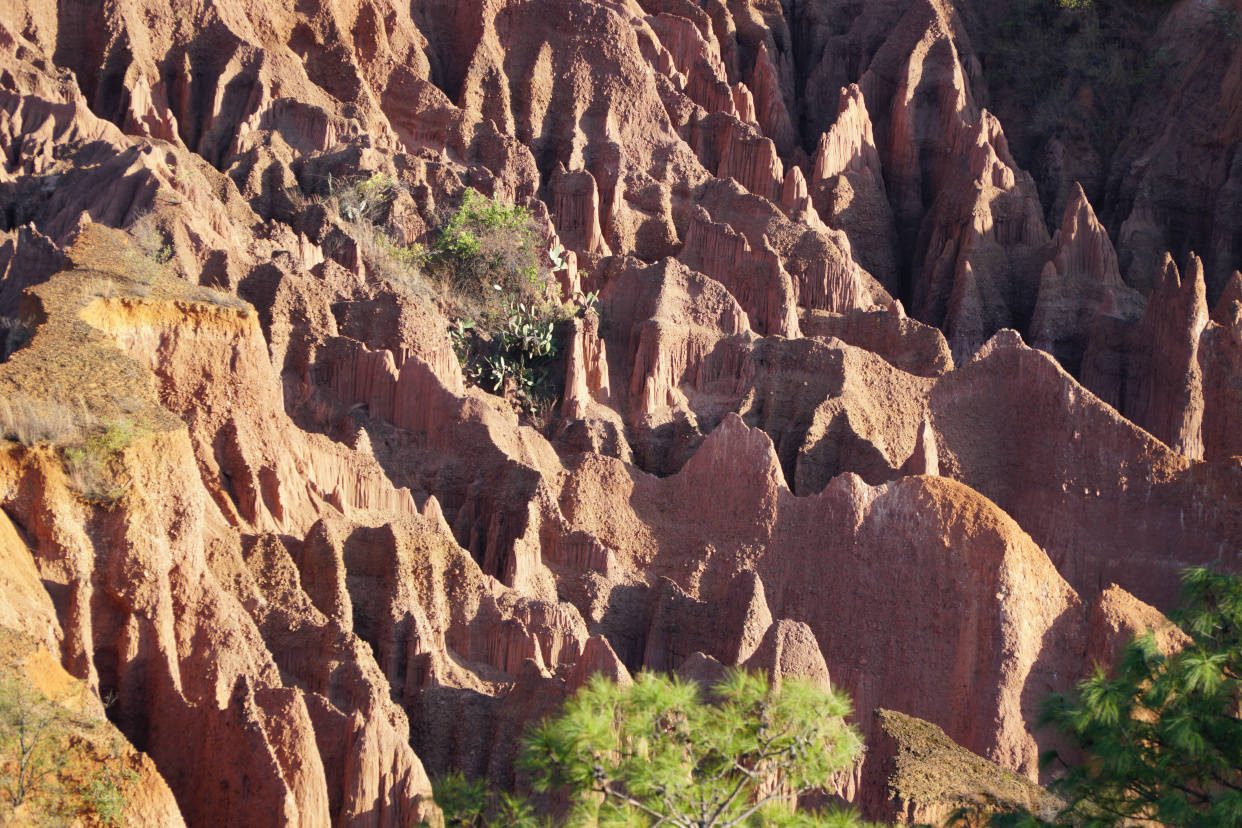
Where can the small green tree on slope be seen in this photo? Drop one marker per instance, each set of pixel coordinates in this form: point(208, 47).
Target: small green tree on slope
point(658, 753)
point(1163, 737)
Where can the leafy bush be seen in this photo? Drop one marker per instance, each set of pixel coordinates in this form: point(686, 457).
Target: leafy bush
point(31, 727)
point(513, 354)
point(90, 447)
point(493, 280)
point(364, 199)
point(469, 804)
point(41, 747)
point(487, 256)
point(153, 250)
point(364, 205)
point(506, 319)
point(93, 464)
point(106, 794)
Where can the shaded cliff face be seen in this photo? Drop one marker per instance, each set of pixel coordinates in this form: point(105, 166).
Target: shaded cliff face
point(248, 491)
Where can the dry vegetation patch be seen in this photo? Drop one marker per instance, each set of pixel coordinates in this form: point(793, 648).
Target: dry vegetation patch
point(488, 268)
point(89, 447)
point(935, 773)
point(61, 762)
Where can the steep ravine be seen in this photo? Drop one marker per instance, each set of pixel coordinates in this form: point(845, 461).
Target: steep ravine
point(891, 373)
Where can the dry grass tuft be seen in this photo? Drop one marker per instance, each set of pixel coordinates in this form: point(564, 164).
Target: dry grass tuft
point(90, 448)
point(399, 266)
point(32, 422)
point(155, 247)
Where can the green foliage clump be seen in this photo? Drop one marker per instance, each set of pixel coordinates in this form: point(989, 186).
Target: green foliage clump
point(661, 752)
point(506, 319)
point(90, 447)
point(409, 256)
point(105, 794)
point(152, 253)
point(1163, 737)
point(486, 254)
point(364, 199)
point(364, 204)
point(522, 346)
point(93, 463)
point(512, 354)
point(31, 728)
point(44, 747)
point(491, 276)
point(470, 804)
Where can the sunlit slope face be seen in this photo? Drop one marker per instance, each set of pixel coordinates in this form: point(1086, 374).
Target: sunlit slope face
point(373, 375)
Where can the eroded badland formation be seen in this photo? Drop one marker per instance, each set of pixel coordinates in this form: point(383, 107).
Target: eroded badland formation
point(899, 374)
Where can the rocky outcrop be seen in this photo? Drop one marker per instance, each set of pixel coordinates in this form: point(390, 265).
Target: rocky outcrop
point(1081, 278)
point(575, 209)
point(924, 777)
point(979, 246)
point(849, 147)
point(599, 659)
point(247, 488)
point(818, 259)
point(26, 609)
point(1232, 294)
point(796, 199)
point(587, 382)
point(831, 408)
point(987, 414)
point(165, 624)
point(27, 257)
point(756, 278)
point(904, 342)
point(771, 113)
point(757, 512)
point(969, 225)
point(264, 477)
point(1164, 391)
point(689, 52)
point(924, 459)
point(690, 340)
point(1220, 360)
point(847, 187)
point(750, 159)
point(1117, 618)
point(789, 650)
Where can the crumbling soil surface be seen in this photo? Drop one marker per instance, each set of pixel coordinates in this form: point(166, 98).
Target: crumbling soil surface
point(888, 348)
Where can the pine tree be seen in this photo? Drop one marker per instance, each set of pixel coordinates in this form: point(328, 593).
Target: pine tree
point(658, 752)
point(1163, 737)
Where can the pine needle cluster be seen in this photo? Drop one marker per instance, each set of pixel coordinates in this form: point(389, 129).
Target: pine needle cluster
point(662, 752)
point(1163, 736)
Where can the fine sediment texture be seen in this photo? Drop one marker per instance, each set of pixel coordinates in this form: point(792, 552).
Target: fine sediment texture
point(845, 400)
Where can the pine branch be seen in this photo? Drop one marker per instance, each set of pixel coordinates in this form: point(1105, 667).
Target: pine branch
point(634, 803)
point(754, 809)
